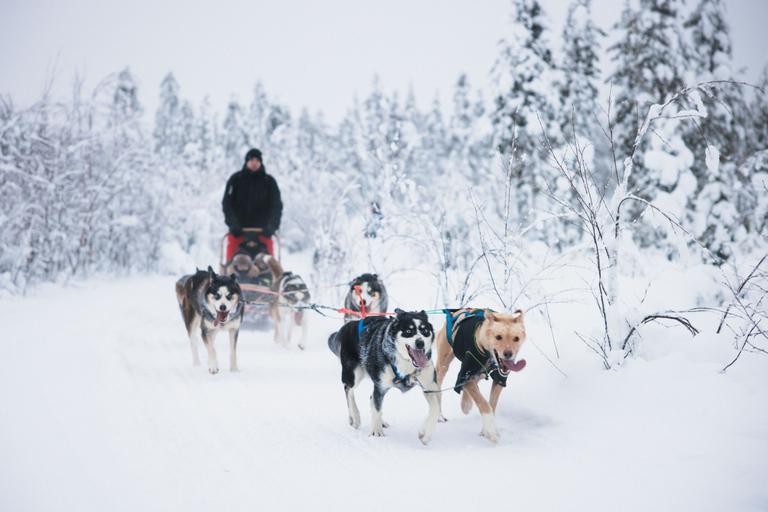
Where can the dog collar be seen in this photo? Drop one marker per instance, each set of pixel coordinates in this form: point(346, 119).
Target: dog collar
point(400, 378)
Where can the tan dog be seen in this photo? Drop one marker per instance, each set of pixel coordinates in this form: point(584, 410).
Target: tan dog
point(487, 344)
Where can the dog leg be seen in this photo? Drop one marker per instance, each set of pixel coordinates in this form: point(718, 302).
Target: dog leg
point(490, 430)
point(303, 341)
point(466, 402)
point(291, 322)
point(427, 380)
point(377, 399)
point(233, 350)
point(444, 358)
point(496, 390)
point(193, 342)
point(354, 412)
point(208, 338)
point(351, 378)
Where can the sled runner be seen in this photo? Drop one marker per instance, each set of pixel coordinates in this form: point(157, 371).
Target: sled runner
point(251, 258)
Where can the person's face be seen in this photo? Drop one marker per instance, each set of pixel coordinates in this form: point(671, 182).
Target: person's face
point(253, 164)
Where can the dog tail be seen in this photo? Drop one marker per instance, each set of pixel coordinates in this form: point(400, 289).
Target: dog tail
point(334, 343)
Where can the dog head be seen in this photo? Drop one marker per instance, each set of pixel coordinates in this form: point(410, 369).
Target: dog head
point(502, 335)
point(369, 289)
point(222, 296)
point(413, 336)
point(242, 265)
point(293, 289)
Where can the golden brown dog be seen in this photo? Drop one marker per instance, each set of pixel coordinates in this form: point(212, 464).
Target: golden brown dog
point(487, 344)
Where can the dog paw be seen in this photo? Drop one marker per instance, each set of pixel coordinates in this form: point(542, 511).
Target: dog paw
point(354, 421)
point(424, 437)
point(301, 346)
point(441, 419)
point(234, 369)
point(490, 435)
point(385, 424)
point(213, 368)
point(377, 432)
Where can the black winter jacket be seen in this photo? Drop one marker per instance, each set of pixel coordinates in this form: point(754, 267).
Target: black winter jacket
point(252, 200)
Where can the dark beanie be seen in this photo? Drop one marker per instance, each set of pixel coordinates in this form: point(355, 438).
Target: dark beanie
point(253, 153)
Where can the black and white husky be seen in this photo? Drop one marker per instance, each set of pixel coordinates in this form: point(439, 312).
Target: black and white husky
point(211, 303)
point(287, 308)
point(393, 352)
point(366, 294)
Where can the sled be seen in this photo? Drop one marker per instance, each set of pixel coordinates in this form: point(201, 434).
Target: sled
point(255, 283)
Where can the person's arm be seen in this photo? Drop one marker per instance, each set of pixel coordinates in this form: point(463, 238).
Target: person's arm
point(275, 209)
point(228, 206)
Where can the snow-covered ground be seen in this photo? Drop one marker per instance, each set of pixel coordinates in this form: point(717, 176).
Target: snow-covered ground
point(102, 410)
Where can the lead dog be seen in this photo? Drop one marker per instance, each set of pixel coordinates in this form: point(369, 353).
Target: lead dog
point(487, 344)
point(291, 295)
point(366, 292)
point(393, 352)
point(211, 303)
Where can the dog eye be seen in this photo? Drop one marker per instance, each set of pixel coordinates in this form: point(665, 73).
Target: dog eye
point(217, 296)
point(229, 297)
point(408, 332)
point(425, 331)
point(517, 338)
point(498, 336)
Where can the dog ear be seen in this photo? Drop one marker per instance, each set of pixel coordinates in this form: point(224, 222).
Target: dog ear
point(399, 312)
point(490, 315)
point(210, 270)
point(233, 277)
point(423, 314)
point(518, 318)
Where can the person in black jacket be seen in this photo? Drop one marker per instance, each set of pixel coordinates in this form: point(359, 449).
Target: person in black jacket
point(252, 200)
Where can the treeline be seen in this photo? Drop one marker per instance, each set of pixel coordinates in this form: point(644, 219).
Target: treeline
point(85, 186)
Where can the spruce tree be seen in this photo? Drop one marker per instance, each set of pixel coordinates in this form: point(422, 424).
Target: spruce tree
point(649, 68)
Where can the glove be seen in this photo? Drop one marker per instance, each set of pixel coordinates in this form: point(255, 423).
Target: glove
point(236, 231)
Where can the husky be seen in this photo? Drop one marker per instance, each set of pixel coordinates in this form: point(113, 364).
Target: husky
point(487, 344)
point(211, 303)
point(367, 294)
point(291, 296)
point(393, 352)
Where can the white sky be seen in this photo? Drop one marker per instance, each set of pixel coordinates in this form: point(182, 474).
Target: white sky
point(315, 54)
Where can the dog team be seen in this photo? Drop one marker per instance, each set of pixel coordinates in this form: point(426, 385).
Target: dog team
point(392, 350)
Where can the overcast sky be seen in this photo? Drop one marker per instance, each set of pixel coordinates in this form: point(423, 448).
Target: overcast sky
point(314, 54)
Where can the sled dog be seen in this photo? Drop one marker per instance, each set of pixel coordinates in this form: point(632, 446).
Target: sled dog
point(291, 295)
point(211, 303)
point(393, 352)
point(366, 294)
point(487, 344)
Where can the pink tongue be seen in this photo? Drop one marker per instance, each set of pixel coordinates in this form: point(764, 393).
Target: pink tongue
point(512, 366)
point(419, 358)
point(221, 316)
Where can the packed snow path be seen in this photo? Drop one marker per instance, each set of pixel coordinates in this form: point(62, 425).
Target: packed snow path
point(101, 409)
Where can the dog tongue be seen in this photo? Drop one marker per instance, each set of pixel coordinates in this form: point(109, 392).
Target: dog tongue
point(419, 358)
point(221, 316)
point(513, 366)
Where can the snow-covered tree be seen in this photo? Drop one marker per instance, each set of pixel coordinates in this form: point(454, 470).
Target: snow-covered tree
point(580, 73)
point(524, 78)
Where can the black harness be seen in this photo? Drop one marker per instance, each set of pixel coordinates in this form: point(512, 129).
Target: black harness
point(462, 336)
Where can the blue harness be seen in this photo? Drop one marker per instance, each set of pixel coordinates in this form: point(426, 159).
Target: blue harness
point(360, 329)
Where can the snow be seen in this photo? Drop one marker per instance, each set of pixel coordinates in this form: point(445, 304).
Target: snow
point(102, 410)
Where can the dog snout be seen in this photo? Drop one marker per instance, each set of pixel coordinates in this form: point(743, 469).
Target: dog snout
point(222, 308)
point(419, 344)
point(508, 354)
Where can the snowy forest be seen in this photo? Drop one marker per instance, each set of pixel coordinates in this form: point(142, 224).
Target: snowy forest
point(612, 155)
